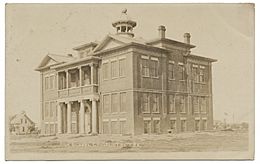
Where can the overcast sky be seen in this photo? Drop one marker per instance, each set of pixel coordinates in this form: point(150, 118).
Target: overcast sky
point(222, 32)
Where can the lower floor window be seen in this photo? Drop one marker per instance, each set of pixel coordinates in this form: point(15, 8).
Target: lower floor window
point(147, 126)
point(173, 125)
point(183, 125)
point(204, 125)
point(197, 125)
point(123, 129)
point(156, 126)
point(105, 127)
point(114, 127)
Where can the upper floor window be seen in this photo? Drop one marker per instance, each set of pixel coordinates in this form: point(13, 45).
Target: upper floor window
point(195, 102)
point(203, 105)
point(145, 66)
point(47, 108)
point(114, 103)
point(154, 67)
point(145, 103)
point(171, 74)
point(52, 82)
point(122, 102)
point(114, 69)
point(202, 74)
point(46, 83)
point(172, 108)
point(155, 103)
point(106, 103)
point(195, 73)
point(122, 65)
point(180, 103)
point(181, 71)
point(105, 71)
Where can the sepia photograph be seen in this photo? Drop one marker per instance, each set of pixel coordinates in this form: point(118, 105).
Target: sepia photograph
point(129, 81)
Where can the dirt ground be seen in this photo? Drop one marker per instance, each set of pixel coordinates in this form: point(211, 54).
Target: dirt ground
point(184, 142)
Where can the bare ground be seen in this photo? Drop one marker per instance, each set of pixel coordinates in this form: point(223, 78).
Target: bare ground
point(184, 142)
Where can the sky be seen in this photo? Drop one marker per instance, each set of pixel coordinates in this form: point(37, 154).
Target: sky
point(223, 32)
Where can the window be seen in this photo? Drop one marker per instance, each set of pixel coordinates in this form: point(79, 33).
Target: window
point(202, 74)
point(74, 79)
point(25, 121)
point(145, 67)
point(203, 105)
point(23, 129)
point(122, 102)
point(172, 104)
point(154, 68)
point(105, 71)
point(183, 125)
point(147, 126)
point(123, 28)
point(180, 103)
point(115, 102)
point(46, 110)
point(62, 82)
point(46, 83)
point(122, 65)
point(52, 109)
point(21, 121)
point(105, 127)
point(106, 104)
point(114, 127)
point(195, 75)
point(155, 103)
point(156, 126)
point(181, 71)
point(123, 129)
point(145, 103)
point(197, 125)
point(171, 74)
point(204, 124)
point(195, 103)
point(173, 125)
point(114, 69)
point(52, 128)
point(52, 82)
point(86, 76)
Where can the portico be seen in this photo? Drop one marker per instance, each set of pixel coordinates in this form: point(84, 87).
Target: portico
point(78, 116)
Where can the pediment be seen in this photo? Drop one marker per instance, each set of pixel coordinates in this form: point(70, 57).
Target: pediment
point(108, 43)
point(47, 61)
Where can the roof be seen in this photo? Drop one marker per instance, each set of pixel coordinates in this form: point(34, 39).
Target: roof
point(90, 44)
point(21, 114)
point(170, 41)
point(201, 58)
point(58, 59)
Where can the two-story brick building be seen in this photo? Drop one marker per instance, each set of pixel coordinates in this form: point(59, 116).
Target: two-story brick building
point(127, 85)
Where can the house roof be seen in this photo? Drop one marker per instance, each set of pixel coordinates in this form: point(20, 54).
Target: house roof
point(21, 114)
point(58, 59)
point(170, 41)
point(201, 58)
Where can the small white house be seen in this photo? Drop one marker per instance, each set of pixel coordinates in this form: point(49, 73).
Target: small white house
point(21, 124)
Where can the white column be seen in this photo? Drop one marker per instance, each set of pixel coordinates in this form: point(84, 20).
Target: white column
point(80, 76)
point(92, 73)
point(69, 117)
point(59, 118)
point(94, 116)
point(67, 79)
point(82, 118)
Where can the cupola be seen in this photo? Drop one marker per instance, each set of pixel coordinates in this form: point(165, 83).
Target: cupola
point(124, 26)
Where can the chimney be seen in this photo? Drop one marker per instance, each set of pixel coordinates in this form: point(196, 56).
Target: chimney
point(161, 30)
point(187, 37)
